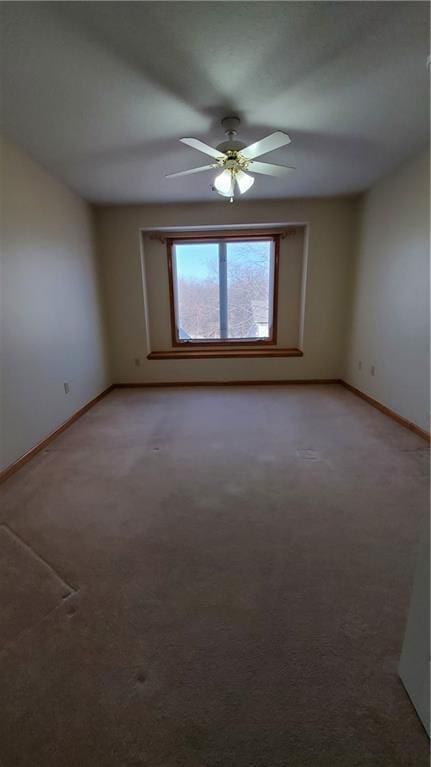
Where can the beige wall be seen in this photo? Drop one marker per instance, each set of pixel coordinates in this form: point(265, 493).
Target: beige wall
point(51, 311)
point(328, 246)
point(390, 294)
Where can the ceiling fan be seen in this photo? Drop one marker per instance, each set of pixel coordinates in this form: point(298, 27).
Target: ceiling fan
point(235, 158)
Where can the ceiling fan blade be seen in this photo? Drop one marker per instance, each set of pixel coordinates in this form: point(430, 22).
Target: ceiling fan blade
point(195, 143)
point(268, 169)
point(191, 170)
point(267, 144)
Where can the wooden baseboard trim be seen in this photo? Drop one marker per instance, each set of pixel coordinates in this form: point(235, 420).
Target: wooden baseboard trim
point(16, 465)
point(387, 411)
point(264, 382)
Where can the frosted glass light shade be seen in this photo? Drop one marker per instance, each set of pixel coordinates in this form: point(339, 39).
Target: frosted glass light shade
point(224, 183)
point(244, 181)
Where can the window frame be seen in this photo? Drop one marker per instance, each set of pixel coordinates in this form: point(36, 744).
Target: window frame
point(245, 236)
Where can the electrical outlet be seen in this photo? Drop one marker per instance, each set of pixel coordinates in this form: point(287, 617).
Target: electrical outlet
point(373, 370)
point(66, 388)
point(137, 362)
point(359, 365)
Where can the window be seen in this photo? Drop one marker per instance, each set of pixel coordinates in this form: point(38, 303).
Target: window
point(223, 289)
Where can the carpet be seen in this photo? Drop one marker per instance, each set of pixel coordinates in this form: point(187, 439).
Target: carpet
point(237, 564)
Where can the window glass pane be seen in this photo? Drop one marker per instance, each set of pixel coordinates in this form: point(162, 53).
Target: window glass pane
point(249, 288)
point(197, 290)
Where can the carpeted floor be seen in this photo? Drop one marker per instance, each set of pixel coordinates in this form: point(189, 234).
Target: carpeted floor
point(212, 577)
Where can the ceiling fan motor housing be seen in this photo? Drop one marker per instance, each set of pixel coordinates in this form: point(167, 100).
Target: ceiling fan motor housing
point(230, 145)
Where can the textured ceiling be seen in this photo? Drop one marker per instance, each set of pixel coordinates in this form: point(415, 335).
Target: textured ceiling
point(100, 92)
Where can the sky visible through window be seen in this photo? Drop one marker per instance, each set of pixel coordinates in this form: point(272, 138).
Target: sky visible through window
point(196, 260)
point(245, 308)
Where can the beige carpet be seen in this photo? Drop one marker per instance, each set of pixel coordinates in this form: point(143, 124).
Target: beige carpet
point(212, 577)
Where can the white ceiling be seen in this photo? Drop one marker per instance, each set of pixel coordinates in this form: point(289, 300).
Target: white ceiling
point(100, 92)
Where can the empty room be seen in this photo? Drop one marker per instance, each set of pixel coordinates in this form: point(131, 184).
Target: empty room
point(215, 396)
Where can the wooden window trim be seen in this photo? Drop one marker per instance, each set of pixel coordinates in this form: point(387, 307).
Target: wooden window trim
point(248, 236)
point(218, 353)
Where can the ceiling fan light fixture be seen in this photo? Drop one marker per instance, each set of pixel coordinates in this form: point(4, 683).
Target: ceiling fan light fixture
point(244, 181)
point(224, 183)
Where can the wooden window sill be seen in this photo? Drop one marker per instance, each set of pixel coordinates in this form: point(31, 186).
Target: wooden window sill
point(181, 354)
